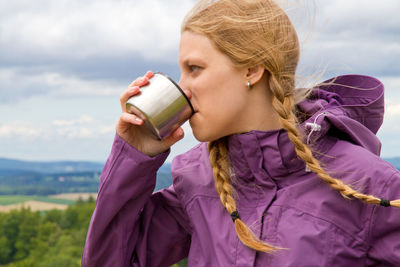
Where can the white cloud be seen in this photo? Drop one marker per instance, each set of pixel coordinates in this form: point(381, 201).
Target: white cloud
point(84, 119)
point(390, 130)
point(83, 127)
point(64, 86)
point(391, 123)
point(394, 110)
point(21, 129)
point(392, 104)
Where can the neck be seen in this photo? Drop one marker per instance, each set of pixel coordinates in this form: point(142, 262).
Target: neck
point(260, 114)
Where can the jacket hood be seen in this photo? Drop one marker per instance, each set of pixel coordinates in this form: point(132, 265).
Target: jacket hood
point(349, 106)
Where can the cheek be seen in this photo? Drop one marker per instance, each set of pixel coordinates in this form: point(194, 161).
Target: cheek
point(219, 102)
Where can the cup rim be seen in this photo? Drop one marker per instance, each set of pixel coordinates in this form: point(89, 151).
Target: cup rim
point(179, 88)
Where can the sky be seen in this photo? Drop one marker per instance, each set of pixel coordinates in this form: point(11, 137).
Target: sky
point(63, 65)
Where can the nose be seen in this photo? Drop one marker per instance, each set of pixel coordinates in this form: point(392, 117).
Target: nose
point(187, 93)
point(185, 89)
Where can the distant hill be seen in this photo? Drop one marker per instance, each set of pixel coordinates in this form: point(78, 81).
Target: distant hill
point(164, 177)
point(49, 167)
point(394, 161)
point(46, 178)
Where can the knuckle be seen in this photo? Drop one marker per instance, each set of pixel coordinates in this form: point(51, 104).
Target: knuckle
point(137, 81)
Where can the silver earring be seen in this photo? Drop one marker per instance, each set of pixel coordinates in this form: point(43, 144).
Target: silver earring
point(249, 85)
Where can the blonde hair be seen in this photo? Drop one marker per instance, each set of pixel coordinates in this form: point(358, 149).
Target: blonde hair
point(251, 33)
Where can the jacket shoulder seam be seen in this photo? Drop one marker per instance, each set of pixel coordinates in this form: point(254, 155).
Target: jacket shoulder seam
point(354, 236)
point(196, 196)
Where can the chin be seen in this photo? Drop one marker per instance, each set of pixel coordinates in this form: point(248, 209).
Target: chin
point(200, 137)
point(203, 133)
point(204, 136)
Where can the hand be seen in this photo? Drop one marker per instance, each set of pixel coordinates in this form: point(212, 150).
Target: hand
point(130, 127)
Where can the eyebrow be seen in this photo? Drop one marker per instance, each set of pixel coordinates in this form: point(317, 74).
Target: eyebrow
point(186, 61)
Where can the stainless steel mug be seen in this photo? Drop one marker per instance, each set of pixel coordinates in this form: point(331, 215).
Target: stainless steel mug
point(162, 105)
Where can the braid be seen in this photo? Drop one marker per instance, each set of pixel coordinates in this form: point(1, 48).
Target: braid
point(220, 166)
point(284, 106)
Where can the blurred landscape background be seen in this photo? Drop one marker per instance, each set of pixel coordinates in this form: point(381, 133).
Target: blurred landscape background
point(45, 210)
point(63, 65)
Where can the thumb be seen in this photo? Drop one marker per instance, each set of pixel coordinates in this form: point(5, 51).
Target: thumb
point(174, 137)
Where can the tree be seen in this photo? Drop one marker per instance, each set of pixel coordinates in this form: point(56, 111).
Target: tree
point(27, 231)
point(5, 250)
point(9, 231)
point(51, 238)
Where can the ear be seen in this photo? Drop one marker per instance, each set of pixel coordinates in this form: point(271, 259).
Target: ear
point(254, 74)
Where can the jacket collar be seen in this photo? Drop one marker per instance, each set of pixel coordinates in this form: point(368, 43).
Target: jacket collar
point(257, 155)
point(350, 106)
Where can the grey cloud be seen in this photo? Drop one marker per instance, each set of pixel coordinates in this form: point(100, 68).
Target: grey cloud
point(15, 86)
point(76, 78)
point(107, 47)
point(353, 37)
point(368, 58)
point(118, 69)
point(103, 40)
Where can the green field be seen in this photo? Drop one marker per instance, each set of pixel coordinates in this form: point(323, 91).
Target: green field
point(8, 200)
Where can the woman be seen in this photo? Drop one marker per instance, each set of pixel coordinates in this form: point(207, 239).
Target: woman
point(284, 168)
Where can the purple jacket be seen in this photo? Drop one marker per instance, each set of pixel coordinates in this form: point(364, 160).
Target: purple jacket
point(277, 197)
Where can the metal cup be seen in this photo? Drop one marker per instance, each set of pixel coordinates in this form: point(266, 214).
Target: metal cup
point(162, 105)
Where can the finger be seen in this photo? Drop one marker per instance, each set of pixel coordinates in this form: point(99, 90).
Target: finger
point(131, 91)
point(142, 81)
point(133, 83)
point(149, 74)
point(131, 118)
point(174, 137)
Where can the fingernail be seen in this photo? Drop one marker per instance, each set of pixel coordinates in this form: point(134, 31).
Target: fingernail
point(139, 120)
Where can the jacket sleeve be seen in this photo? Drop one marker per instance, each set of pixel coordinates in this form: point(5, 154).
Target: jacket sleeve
point(385, 228)
point(131, 226)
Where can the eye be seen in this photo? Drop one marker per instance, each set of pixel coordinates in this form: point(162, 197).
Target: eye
point(194, 68)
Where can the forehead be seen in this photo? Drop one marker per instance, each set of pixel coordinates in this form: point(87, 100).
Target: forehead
point(196, 46)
